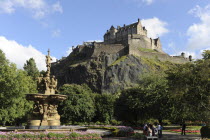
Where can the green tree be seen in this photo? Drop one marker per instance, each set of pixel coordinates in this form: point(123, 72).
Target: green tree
point(79, 107)
point(189, 87)
point(104, 104)
point(14, 84)
point(206, 54)
point(31, 69)
point(148, 100)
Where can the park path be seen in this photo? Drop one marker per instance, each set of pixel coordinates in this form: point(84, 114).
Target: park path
point(166, 136)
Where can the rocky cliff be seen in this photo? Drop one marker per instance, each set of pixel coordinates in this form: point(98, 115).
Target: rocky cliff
point(105, 73)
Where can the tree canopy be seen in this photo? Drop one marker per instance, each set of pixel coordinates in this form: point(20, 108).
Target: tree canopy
point(104, 105)
point(79, 107)
point(148, 100)
point(189, 85)
point(14, 84)
point(30, 68)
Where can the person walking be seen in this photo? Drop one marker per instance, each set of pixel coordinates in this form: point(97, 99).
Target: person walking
point(183, 128)
point(145, 129)
point(159, 128)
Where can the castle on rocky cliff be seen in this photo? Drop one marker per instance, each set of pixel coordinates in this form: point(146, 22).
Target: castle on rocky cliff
point(130, 39)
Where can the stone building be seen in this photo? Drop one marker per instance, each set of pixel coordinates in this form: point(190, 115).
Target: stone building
point(133, 35)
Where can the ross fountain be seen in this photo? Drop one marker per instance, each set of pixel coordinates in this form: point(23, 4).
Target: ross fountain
point(45, 114)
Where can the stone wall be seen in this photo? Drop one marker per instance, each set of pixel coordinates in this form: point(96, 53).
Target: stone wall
point(109, 49)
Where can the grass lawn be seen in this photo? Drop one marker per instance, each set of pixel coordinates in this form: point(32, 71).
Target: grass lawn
point(189, 130)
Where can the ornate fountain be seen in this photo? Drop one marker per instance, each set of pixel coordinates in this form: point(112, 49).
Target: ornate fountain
point(45, 114)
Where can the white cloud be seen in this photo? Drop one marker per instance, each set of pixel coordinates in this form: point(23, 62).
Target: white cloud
point(199, 33)
point(18, 53)
point(57, 7)
point(68, 51)
point(95, 40)
point(140, 2)
point(155, 27)
point(38, 8)
point(148, 2)
point(56, 33)
point(6, 7)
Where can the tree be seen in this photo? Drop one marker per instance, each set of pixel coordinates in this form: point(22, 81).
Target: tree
point(79, 106)
point(148, 100)
point(189, 86)
point(104, 104)
point(31, 69)
point(206, 54)
point(14, 84)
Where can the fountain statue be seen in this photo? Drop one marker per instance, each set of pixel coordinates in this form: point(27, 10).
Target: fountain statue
point(45, 114)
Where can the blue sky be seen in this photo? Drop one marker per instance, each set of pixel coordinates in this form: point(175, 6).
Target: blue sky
point(29, 27)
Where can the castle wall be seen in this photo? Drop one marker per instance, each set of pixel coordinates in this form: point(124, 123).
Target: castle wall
point(139, 41)
point(108, 49)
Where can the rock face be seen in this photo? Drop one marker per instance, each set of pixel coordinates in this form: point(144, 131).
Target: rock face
point(116, 63)
point(107, 73)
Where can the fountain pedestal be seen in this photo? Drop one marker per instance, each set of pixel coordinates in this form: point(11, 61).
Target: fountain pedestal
point(45, 114)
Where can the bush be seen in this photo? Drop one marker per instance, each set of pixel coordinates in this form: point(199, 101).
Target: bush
point(205, 132)
point(123, 131)
point(115, 122)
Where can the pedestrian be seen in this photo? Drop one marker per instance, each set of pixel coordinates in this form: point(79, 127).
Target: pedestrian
point(159, 128)
point(183, 128)
point(145, 129)
point(149, 130)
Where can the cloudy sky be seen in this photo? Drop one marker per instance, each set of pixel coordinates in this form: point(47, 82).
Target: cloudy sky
point(29, 27)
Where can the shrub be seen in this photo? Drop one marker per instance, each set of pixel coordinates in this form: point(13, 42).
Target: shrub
point(205, 132)
point(122, 131)
point(115, 122)
point(74, 135)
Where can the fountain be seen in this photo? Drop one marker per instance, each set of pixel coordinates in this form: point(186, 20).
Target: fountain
point(45, 114)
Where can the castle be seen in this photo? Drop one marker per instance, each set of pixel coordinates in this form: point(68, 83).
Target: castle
point(130, 39)
point(134, 35)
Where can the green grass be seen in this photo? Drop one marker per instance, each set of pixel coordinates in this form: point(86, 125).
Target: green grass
point(121, 59)
point(146, 50)
point(192, 128)
point(155, 64)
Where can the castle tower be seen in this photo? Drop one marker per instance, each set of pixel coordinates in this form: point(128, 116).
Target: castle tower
point(113, 31)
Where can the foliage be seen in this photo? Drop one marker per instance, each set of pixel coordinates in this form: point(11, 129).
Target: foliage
point(119, 60)
point(43, 73)
point(14, 84)
point(79, 106)
point(50, 135)
point(104, 104)
point(206, 54)
point(155, 64)
point(205, 132)
point(138, 135)
point(146, 50)
point(189, 91)
point(30, 68)
point(145, 101)
point(122, 131)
